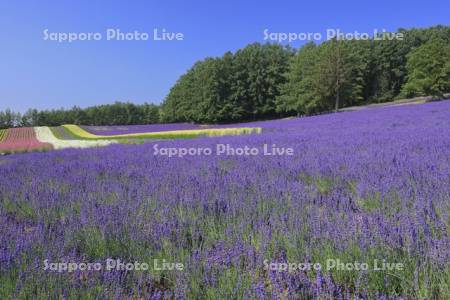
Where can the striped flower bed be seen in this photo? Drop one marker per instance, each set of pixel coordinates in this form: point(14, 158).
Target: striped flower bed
point(174, 134)
point(45, 135)
point(16, 140)
point(21, 140)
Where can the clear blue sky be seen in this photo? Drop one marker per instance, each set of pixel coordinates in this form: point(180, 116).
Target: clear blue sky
point(47, 74)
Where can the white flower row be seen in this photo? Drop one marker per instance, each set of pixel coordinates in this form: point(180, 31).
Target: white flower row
point(45, 135)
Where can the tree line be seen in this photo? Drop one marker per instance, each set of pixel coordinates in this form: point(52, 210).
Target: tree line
point(263, 81)
point(119, 113)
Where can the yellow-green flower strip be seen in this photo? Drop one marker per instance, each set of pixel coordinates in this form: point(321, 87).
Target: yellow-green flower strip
point(81, 133)
point(2, 134)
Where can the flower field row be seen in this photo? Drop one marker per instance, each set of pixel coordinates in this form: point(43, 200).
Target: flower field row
point(2, 134)
point(171, 134)
point(21, 140)
point(45, 135)
point(117, 130)
point(130, 129)
point(62, 133)
point(363, 186)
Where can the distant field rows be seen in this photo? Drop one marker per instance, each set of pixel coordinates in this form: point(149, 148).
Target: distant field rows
point(80, 132)
point(126, 129)
point(72, 136)
point(150, 128)
point(45, 135)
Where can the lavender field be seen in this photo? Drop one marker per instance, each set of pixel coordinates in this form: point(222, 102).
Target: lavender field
point(130, 129)
point(114, 130)
point(370, 186)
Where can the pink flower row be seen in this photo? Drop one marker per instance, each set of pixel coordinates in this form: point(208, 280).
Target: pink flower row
point(21, 140)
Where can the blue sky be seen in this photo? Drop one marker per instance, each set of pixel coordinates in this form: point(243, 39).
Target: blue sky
point(47, 74)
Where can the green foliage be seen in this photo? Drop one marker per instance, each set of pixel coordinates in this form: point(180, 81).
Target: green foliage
point(118, 113)
point(19, 210)
point(369, 204)
point(199, 94)
point(92, 242)
point(9, 119)
point(298, 93)
point(235, 87)
point(258, 75)
point(341, 73)
point(429, 70)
